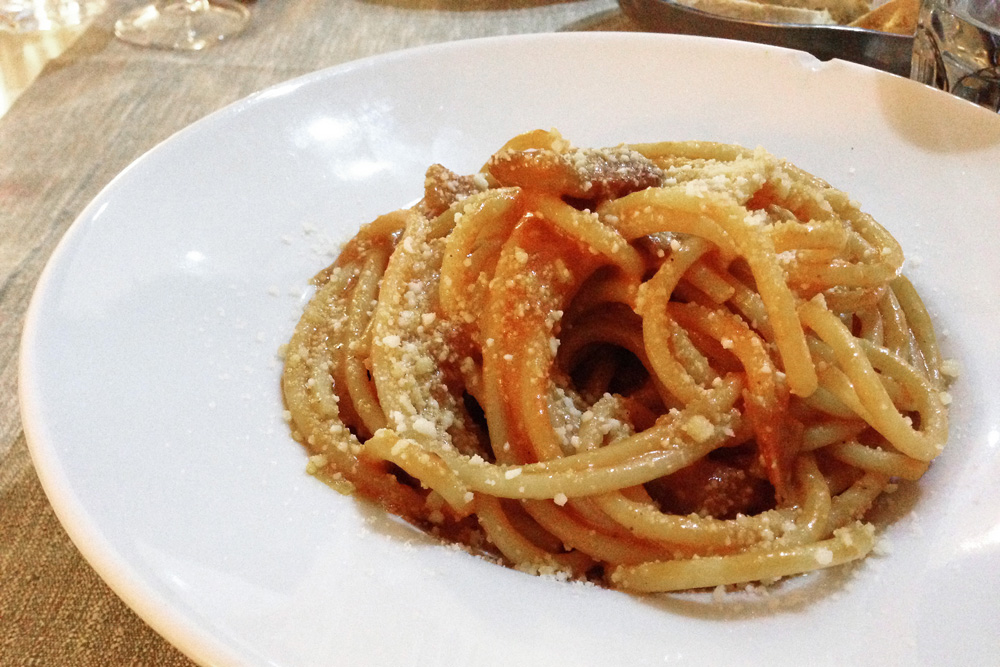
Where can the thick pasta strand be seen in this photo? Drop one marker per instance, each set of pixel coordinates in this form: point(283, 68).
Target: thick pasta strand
point(655, 366)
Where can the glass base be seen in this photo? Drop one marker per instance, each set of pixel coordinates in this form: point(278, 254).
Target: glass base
point(189, 25)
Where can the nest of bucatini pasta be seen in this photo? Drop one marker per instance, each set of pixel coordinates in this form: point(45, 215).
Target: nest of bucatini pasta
point(657, 367)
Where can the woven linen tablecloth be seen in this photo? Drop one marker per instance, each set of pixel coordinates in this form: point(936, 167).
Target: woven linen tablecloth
point(92, 112)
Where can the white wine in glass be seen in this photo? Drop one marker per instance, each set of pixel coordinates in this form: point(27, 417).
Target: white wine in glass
point(189, 25)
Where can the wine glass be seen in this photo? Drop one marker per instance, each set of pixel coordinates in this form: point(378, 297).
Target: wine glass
point(189, 25)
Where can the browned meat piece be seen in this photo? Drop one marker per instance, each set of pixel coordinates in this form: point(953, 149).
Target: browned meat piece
point(443, 187)
point(584, 174)
point(712, 488)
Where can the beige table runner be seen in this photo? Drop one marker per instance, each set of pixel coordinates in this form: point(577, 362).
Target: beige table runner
point(92, 112)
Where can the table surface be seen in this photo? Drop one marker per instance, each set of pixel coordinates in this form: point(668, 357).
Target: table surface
point(93, 110)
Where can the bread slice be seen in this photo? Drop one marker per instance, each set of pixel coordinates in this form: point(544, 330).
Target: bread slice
point(746, 10)
point(842, 11)
point(896, 16)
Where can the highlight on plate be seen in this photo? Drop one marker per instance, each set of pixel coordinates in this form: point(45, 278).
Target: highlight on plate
point(655, 367)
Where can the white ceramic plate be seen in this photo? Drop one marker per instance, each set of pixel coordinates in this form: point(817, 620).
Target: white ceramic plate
point(149, 380)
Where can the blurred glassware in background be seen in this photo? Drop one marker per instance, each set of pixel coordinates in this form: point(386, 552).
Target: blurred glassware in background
point(188, 25)
point(23, 55)
point(957, 49)
point(26, 16)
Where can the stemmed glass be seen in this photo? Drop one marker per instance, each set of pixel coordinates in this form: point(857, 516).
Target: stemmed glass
point(189, 25)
